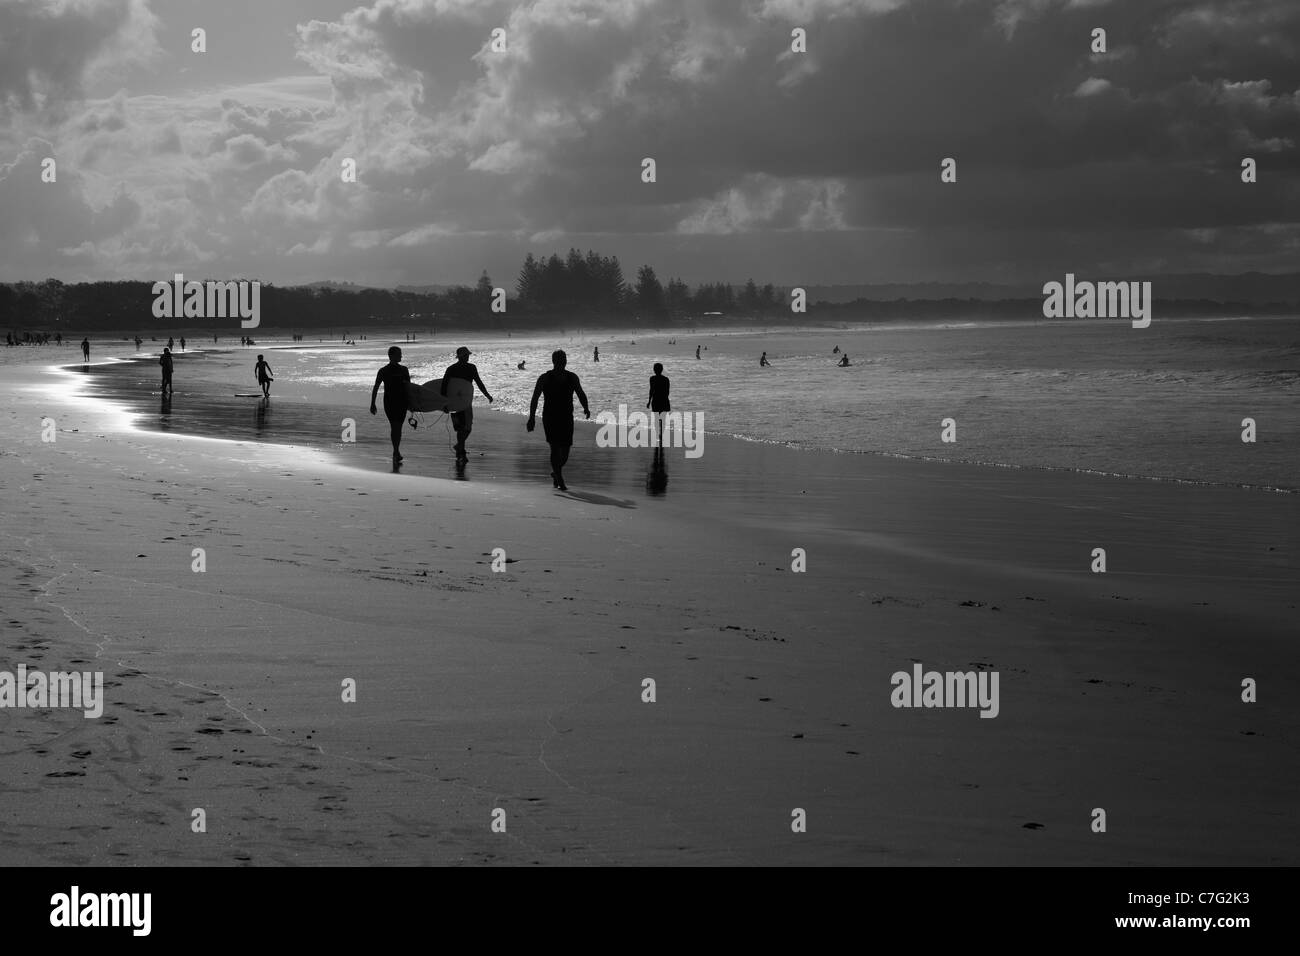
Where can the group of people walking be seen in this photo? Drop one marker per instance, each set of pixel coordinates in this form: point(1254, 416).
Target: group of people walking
point(555, 389)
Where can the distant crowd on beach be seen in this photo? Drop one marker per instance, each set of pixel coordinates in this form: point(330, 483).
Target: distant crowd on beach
point(33, 338)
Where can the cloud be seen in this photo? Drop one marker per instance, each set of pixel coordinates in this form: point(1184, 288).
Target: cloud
point(467, 157)
point(49, 48)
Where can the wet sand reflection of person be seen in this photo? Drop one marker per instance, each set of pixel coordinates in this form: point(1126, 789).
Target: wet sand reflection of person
point(656, 479)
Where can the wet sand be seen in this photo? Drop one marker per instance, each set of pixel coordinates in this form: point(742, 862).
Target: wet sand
point(523, 690)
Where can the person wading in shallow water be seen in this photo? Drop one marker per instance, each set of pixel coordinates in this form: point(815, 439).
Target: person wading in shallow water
point(559, 385)
point(395, 378)
point(166, 362)
point(264, 377)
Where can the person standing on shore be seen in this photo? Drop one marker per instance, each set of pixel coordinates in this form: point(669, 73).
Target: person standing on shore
point(85, 349)
point(395, 378)
point(166, 362)
point(658, 401)
point(559, 385)
point(263, 372)
point(463, 422)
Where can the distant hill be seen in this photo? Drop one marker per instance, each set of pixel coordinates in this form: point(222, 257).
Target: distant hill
point(423, 289)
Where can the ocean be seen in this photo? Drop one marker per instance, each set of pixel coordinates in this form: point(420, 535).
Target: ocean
point(1165, 402)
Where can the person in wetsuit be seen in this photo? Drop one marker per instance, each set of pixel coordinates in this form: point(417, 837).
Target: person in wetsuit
point(658, 401)
point(85, 349)
point(463, 422)
point(844, 360)
point(559, 385)
point(395, 378)
point(763, 362)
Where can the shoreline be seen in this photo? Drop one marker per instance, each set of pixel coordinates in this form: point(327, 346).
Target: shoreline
point(73, 369)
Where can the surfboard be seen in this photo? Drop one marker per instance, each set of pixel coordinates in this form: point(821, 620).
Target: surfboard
point(428, 397)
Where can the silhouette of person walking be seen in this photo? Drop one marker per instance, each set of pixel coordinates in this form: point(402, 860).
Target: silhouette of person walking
point(85, 350)
point(395, 378)
point(165, 360)
point(559, 385)
point(463, 422)
point(658, 401)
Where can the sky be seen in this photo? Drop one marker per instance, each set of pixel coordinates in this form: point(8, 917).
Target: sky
point(797, 168)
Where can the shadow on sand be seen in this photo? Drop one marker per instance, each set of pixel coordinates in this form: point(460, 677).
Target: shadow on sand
point(594, 499)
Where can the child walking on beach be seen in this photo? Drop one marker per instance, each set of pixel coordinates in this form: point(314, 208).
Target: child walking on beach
point(263, 372)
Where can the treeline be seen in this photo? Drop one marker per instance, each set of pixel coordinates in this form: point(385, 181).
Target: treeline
point(569, 292)
point(587, 284)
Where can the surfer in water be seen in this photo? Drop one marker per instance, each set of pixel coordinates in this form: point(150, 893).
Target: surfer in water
point(763, 362)
point(520, 366)
point(658, 401)
point(844, 360)
point(395, 378)
point(165, 360)
point(697, 351)
point(264, 378)
point(835, 351)
point(85, 349)
point(463, 422)
point(595, 354)
point(559, 385)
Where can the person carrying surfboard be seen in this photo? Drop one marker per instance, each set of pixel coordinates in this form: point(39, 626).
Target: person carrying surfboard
point(264, 378)
point(463, 422)
point(559, 385)
point(396, 379)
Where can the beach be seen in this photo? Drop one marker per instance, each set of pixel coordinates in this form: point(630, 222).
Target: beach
point(524, 691)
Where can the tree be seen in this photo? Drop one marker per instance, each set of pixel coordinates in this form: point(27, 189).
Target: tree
point(483, 292)
point(527, 286)
point(649, 292)
point(677, 297)
point(553, 282)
